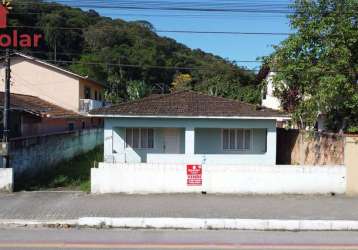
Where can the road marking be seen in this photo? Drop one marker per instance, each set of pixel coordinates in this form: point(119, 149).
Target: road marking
point(174, 246)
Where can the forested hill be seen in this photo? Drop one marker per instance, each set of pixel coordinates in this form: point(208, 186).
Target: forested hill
point(128, 56)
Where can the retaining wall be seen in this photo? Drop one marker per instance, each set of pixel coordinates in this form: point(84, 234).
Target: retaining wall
point(171, 178)
point(31, 154)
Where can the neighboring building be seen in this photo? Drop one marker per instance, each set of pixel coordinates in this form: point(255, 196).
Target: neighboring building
point(35, 77)
point(269, 100)
point(189, 127)
point(31, 116)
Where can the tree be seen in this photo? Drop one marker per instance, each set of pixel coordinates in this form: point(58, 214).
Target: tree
point(116, 52)
point(181, 82)
point(317, 65)
point(137, 90)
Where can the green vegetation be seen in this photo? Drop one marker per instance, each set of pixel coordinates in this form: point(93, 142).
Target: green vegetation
point(318, 65)
point(68, 175)
point(129, 57)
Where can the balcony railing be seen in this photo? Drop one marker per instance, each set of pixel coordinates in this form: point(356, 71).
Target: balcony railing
point(87, 105)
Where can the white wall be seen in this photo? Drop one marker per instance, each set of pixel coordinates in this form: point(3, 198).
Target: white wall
point(227, 159)
point(6, 179)
point(172, 178)
point(270, 101)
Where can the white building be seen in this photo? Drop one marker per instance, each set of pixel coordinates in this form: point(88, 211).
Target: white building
point(269, 100)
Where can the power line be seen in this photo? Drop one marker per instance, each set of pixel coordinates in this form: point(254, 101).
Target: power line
point(169, 31)
point(139, 66)
point(223, 6)
point(80, 54)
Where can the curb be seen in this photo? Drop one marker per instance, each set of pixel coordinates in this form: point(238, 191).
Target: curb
point(194, 223)
point(43, 223)
point(221, 224)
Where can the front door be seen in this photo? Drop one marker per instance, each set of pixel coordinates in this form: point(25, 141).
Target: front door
point(172, 140)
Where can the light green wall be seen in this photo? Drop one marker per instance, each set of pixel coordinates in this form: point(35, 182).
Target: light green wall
point(209, 141)
point(140, 155)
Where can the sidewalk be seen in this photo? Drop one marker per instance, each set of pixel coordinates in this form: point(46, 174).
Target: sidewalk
point(74, 205)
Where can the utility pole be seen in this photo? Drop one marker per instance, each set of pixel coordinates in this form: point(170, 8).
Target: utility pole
point(6, 116)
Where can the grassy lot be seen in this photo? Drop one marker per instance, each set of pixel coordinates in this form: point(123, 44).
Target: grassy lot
point(68, 175)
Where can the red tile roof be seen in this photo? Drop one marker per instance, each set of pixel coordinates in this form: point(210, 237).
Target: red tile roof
point(187, 103)
point(37, 106)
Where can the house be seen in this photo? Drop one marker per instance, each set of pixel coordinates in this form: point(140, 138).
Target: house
point(56, 85)
point(3, 16)
point(31, 116)
point(191, 128)
point(269, 100)
point(39, 88)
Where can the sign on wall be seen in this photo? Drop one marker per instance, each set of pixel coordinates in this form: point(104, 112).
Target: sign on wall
point(194, 175)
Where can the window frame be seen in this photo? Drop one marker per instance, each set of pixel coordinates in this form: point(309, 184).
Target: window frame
point(86, 88)
point(236, 142)
point(71, 126)
point(127, 145)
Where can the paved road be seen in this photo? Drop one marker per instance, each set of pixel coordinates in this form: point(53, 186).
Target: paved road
point(72, 205)
point(42, 238)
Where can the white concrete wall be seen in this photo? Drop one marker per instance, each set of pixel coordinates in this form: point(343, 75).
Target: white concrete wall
point(6, 179)
point(172, 178)
point(227, 159)
point(270, 101)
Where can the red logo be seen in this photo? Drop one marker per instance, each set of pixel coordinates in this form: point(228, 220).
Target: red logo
point(4, 11)
point(15, 39)
point(3, 16)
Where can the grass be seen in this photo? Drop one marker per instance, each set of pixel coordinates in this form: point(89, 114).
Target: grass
point(68, 175)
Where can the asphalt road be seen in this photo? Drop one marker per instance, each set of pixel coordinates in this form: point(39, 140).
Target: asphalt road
point(44, 238)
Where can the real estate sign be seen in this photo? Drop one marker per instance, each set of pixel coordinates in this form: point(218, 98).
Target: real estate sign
point(194, 175)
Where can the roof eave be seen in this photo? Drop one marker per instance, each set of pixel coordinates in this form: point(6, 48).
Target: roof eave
point(58, 68)
point(194, 117)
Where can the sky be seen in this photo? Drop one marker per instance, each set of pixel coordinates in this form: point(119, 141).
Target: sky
point(232, 47)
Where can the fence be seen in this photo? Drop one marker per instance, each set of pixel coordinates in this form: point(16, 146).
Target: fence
point(174, 178)
point(32, 154)
point(309, 148)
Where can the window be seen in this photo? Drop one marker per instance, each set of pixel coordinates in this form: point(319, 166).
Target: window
point(237, 139)
point(96, 95)
point(140, 137)
point(264, 92)
point(87, 93)
point(71, 126)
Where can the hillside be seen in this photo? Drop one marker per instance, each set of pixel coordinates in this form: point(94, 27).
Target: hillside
point(128, 56)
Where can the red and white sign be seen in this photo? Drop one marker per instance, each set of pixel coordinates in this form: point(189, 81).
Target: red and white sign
point(194, 174)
